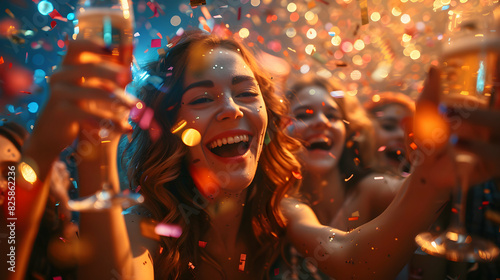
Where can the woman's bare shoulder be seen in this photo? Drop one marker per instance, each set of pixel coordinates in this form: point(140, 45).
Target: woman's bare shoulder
point(140, 228)
point(144, 245)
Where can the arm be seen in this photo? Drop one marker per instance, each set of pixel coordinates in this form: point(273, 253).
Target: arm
point(61, 120)
point(381, 247)
point(377, 249)
point(380, 190)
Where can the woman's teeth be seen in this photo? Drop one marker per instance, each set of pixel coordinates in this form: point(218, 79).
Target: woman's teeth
point(228, 140)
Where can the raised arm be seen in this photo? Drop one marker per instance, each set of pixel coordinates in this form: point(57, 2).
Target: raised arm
point(70, 111)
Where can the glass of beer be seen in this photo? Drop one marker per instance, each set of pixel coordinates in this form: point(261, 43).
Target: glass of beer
point(471, 48)
point(109, 23)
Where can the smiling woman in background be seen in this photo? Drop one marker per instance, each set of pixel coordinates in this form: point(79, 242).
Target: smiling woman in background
point(391, 113)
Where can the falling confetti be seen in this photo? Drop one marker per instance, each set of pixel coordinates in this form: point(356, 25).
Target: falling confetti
point(243, 258)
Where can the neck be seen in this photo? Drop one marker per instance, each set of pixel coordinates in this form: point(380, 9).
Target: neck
point(226, 212)
point(327, 193)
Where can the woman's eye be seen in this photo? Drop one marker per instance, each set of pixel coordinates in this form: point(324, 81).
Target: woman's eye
point(333, 116)
point(389, 127)
point(302, 116)
point(248, 94)
point(200, 101)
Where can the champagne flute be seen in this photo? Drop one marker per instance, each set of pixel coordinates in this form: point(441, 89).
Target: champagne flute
point(470, 53)
point(111, 23)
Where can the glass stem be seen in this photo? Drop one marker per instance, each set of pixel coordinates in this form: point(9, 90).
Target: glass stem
point(464, 164)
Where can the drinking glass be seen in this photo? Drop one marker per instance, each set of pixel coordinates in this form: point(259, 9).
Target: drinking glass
point(471, 48)
point(111, 23)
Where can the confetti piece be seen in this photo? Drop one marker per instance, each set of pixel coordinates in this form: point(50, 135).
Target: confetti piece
point(239, 13)
point(276, 271)
point(57, 278)
point(56, 15)
point(243, 257)
point(355, 214)
point(159, 35)
point(202, 244)
point(53, 24)
point(195, 3)
point(148, 229)
point(347, 179)
point(1, 60)
point(378, 178)
point(413, 146)
point(206, 13)
point(297, 175)
point(10, 13)
point(190, 265)
point(353, 218)
point(363, 5)
point(155, 43)
point(168, 230)
point(382, 148)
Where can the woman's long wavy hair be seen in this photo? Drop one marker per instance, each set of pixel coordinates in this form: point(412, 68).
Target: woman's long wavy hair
point(160, 168)
point(358, 153)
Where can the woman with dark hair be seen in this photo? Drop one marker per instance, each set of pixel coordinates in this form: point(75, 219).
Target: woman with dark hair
point(228, 182)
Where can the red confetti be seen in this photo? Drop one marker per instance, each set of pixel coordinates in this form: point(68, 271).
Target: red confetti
point(202, 244)
point(454, 210)
point(137, 191)
point(297, 175)
point(159, 35)
point(276, 271)
point(161, 250)
point(53, 24)
point(57, 278)
point(155, 43)
point(309, 111)
point(243, 258)
point(486, 202)
point(60, 44)
point(1, 60)
point(353, 218)
point(27, 92)
point(239, 13)
point(56, 15)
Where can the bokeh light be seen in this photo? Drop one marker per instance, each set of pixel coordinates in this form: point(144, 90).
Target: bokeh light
point(45, 7)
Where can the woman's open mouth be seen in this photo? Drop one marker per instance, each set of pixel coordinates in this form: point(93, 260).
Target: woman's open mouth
point(232, 146)
point(321, 144)
point(395, 155)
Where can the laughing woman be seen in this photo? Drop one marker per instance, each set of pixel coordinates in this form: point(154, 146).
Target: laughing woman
point(224, 185)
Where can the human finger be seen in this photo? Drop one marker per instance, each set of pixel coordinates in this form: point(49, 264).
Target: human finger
point(429, 126)
point(70, 93)
point(77, 47)
point(76, 74)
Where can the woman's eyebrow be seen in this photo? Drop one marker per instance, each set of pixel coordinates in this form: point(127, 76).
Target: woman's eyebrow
point(241, 78)
point(204, 83)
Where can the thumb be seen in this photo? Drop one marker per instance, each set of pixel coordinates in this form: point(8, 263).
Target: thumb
point(430, 127)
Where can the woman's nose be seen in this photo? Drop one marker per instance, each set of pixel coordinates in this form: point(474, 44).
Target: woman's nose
point(229, 109)
point(320, 120)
